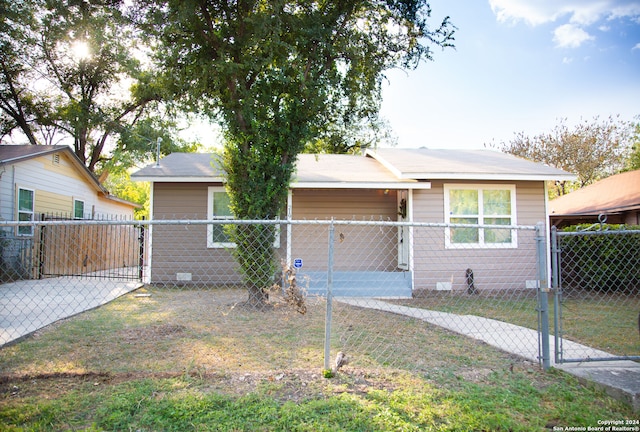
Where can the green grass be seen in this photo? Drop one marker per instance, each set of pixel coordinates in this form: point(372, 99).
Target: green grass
point(521, 401)
point(582, 319)
point(191, 360)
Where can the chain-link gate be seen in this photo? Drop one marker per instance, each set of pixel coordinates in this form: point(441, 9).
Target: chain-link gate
point(596, 284)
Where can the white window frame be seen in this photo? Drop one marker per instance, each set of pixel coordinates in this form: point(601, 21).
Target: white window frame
point(31, 212)
point(481, 240)
point(210, 216)
point(74, 208)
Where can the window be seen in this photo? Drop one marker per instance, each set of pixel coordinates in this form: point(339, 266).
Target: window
point(25, 210)
point(480, 205)
point(78, 209)
point(218, 209)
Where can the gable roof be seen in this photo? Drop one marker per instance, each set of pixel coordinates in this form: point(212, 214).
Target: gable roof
point(383, 168)
point(615, 194)
point(445, 164)
point(10, 154)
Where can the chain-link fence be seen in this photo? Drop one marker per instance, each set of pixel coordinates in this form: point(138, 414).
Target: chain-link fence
point(597, 293)
point(298, 292)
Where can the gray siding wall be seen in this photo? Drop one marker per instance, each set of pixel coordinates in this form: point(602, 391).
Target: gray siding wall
point(492, 268)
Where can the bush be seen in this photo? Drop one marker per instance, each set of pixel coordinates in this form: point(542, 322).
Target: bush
point(605, 258)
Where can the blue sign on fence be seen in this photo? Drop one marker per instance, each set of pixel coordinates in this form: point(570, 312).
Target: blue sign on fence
point(297, 263)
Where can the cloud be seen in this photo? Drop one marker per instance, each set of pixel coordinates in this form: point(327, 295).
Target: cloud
point(570, 36)
point(576, 15)
point(583, 13)
point(636, 46)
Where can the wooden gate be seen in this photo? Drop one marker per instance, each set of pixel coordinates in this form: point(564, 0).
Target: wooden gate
point(101, 250)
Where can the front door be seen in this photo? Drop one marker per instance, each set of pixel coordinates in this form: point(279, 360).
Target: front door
point(403, 230)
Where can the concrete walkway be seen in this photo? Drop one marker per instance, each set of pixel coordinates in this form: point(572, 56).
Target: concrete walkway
point(619, 378)
point(26, 306)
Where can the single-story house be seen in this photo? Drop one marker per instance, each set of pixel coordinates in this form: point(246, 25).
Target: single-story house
point(616, 197)
point(416, 185)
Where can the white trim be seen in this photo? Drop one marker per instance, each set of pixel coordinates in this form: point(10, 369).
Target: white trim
point(18, 211)
point(481, 243)
point(360, 185)
point(210, 216)
point(169, 179)
point(485, 177)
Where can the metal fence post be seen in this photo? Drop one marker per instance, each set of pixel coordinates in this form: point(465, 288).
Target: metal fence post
point(543, 299)
point(327, 324)
point(555, 284)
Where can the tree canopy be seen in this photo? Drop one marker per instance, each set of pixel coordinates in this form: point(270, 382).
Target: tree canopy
point(278, 74)
point(74, 72)
point(593, 149)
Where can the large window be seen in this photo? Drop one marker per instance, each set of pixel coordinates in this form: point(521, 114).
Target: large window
point(218, 209)
point(25, 210)
point(480, 205)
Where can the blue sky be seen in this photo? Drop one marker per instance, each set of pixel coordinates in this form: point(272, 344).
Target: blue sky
point(518, 66)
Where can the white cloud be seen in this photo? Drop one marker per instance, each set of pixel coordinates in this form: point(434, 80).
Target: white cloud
point(570, 36)
point(636, 46)
point(567, 60)
point(583, 13)
point(577, 15)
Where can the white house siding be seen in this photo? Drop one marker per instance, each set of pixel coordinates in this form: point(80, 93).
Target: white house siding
point(492, 268)
point(56, 186)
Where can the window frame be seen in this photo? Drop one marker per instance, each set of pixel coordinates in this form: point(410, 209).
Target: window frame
point(31, 213)
point(210, 216)
point(75, 201)
point(211, 190)
point(481, 243)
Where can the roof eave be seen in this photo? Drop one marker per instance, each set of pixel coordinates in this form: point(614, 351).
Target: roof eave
point(360, 185)
point(168, 179)
point(484, 177)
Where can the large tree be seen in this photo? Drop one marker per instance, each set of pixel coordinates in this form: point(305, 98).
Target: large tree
point(592, 149)
point(73, 71)
point(275, 74)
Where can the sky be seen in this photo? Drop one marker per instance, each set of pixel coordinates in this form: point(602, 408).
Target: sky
point(519, 66)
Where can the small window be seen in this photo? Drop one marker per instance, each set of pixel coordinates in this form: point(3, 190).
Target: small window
point(218, 209)
point(78, 209)
point(25, 210)
point(480, 205)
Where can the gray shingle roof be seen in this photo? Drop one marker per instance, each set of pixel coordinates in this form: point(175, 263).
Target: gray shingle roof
point(383, 166)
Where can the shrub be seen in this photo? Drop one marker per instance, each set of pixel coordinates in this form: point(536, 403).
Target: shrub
point(605, 258)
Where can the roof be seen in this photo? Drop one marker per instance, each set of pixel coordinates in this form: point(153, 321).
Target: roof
point(615, 194)
point(436, 164)
point(18, 153)
point(15, 153)
point(383, 168)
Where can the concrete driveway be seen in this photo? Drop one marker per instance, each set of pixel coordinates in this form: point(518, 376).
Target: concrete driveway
point(26, 306)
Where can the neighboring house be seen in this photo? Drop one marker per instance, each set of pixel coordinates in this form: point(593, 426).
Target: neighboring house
point(38, 180)
point(419, 185)
point(617, 198)
point(50, 182)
